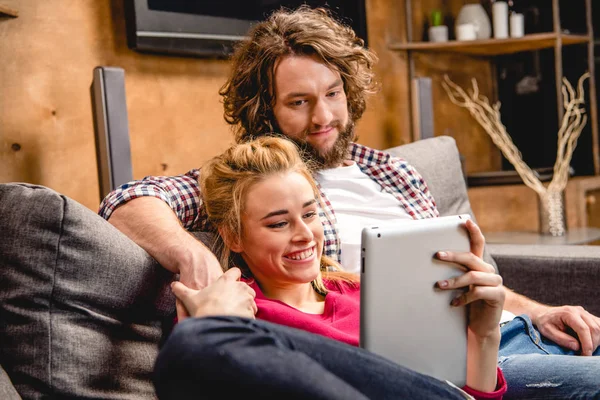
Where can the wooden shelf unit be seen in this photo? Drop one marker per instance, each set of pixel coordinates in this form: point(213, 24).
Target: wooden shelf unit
point(482, 49)
point(494, 47)
point(6, 11)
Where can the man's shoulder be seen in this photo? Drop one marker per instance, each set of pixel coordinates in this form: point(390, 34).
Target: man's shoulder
point(367, 156)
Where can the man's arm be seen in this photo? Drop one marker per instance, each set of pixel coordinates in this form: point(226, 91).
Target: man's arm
point(156, 213)
point(569, 326)
point(151, 223)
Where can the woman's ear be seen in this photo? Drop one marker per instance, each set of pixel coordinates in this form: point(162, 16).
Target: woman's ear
point(230, 240)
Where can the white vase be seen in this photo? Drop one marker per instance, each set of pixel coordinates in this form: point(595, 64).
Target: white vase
point(475, 14)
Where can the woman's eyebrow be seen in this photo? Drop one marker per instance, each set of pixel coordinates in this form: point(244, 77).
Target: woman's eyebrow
point(283, 211)
point(273, 213)
point(308, 203)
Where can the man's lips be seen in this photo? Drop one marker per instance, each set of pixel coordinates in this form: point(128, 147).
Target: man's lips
point(321, 132)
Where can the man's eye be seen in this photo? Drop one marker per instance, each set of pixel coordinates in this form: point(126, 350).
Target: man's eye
point(278, 225)
point(297, 103)
point(334, 93)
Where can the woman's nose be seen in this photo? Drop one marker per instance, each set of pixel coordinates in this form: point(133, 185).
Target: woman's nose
point(303, 233)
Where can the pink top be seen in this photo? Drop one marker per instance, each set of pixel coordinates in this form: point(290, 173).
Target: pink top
point(340, 321)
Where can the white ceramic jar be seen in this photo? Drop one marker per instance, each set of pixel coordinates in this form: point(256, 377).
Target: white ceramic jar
point(475, 14)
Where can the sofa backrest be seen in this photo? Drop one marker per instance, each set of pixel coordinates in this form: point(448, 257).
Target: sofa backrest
point(82, 308)
point(438, 161)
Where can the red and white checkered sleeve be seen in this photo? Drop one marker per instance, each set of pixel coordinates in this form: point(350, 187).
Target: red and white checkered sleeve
point(181, 193)
point(427, 200)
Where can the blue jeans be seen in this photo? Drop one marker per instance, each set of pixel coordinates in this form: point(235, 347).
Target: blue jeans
point(537, 368)
point(232, 357)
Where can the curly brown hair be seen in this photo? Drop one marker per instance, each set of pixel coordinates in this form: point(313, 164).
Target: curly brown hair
point(248, 95)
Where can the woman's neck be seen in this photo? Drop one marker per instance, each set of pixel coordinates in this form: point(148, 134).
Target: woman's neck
point(300, 296)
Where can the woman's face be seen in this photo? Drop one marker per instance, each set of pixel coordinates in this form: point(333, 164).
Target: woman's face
point(282, 235)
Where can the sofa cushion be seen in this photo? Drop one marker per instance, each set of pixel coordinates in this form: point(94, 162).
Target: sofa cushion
point(82, 308)
point(438, 161)
point(7, 390)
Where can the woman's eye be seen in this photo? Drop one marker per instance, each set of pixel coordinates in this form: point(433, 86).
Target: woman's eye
point(310, 214)
point(277, 225)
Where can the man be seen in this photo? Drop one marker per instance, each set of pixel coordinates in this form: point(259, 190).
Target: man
point(305, 76)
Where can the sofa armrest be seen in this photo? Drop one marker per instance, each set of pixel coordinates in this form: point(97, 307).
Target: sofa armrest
point(554, 275)
point(7, 390)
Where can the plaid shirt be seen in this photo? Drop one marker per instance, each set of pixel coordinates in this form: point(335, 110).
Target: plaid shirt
point(182, 193)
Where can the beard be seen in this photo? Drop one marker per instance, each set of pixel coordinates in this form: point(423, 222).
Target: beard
point(317, 159)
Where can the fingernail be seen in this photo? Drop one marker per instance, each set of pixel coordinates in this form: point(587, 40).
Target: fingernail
point(455, 302)
point(442, 254)
point(442, 284)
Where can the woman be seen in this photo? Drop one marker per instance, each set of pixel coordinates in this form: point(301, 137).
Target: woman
point(262, 203)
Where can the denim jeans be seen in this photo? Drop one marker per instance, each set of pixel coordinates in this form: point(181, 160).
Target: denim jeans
point(537, 368)
point(232, 357)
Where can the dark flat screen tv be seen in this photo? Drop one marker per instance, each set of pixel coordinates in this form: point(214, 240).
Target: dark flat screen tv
point(210, 28)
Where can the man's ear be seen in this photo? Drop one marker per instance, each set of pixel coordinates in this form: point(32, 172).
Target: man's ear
point(230, 240)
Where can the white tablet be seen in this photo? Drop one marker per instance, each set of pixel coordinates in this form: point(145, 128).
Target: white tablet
point(404, 317)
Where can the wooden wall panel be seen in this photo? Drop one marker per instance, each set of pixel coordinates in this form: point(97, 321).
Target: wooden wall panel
point(516, 208)
point(46, 130)
point(505, 208)
point(386, 122)
point(473, 142)
point(175, 115)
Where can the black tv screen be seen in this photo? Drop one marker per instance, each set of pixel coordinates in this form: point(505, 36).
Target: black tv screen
point(210, 28)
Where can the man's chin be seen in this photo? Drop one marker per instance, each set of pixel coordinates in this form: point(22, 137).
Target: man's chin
point(327, 154)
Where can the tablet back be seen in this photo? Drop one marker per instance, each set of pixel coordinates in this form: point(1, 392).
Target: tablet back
point(403, 316)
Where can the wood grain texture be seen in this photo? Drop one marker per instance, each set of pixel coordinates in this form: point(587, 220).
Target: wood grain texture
point(7, 11)
point(175, 116)
point(175, 113)
point(473, 142)
point(386, 123)
point(515, 207)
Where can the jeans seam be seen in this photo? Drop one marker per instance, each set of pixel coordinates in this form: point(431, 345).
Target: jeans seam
point(533, 334)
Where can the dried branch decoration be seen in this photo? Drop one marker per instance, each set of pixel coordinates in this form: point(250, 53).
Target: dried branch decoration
point(573, 122)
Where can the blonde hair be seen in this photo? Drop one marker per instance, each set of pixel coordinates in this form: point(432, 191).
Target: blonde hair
point(226, 179)
point(249, 96)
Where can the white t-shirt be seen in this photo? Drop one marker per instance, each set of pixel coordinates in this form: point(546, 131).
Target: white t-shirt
point(358, 201)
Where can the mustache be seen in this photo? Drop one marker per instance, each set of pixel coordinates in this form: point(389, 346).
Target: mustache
point(333, 124)
point(317, 159)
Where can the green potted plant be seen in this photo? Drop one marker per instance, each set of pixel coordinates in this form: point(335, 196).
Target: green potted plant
point(438, 32)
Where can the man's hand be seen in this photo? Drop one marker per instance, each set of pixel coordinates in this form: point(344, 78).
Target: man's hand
point(556, 322)
point(196, 271)
point(226, 296)
point(152, 224)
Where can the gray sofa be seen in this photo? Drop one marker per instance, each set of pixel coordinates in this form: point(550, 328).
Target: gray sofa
point(83, 310)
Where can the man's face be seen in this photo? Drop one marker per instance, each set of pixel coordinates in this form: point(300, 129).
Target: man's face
point(311, 108)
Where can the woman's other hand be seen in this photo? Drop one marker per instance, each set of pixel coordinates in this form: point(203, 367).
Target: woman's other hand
point(485, 293)
point(225, 296)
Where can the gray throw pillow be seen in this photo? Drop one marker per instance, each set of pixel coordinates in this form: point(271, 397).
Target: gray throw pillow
point(438, 161)
point(82, 308)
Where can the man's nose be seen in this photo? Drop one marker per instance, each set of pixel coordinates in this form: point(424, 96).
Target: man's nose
point(322, 114)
